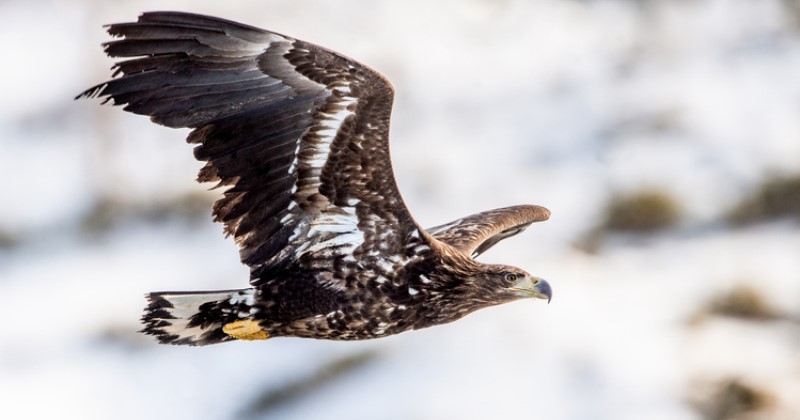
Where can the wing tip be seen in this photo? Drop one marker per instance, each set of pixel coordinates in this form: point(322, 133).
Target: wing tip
point(532, 213)
point(542, 213)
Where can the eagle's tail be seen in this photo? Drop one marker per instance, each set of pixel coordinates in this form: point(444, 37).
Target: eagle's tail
point(197, 318)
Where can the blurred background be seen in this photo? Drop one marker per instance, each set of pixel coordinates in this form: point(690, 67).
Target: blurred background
point(664, 135)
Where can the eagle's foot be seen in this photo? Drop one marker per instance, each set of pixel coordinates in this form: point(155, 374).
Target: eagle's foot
point(245, 329)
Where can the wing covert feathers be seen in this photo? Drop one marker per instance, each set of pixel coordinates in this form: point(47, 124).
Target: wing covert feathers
point(474, 234)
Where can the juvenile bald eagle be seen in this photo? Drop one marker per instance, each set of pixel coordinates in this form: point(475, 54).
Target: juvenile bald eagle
point(299, 137)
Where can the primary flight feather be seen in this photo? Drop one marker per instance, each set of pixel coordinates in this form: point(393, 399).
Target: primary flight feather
point(299, 138)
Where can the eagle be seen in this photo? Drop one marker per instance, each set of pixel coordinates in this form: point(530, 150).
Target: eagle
point(298, 138)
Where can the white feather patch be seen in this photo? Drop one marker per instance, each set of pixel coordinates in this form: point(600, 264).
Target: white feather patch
point(329, 125)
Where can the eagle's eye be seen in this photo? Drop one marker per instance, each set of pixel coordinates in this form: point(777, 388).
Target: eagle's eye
point(511, 277)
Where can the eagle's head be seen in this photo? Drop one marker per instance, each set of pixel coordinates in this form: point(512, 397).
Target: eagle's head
point(503, 283)
point(520, 284)
point(488, 285)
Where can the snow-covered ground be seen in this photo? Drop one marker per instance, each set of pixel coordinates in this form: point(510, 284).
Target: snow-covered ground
point(562, 103)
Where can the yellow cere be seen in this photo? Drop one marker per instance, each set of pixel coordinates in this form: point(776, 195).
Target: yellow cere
point(245, 330)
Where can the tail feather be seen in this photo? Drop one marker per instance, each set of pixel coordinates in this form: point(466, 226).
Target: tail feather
point(195, 318)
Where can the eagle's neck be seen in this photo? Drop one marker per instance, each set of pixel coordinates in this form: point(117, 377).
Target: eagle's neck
point(454, 287)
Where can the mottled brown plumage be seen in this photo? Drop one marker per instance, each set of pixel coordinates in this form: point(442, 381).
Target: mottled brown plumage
point(298, 137)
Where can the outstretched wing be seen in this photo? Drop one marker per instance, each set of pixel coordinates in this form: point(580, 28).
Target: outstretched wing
point(474, 234)
point(298, 134)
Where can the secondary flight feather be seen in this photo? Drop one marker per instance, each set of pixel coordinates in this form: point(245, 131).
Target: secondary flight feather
point(298, 137)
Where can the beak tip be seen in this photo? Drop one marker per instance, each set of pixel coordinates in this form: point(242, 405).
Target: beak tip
point(544, 289)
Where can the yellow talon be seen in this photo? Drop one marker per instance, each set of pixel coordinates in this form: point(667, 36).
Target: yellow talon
point(246, 329)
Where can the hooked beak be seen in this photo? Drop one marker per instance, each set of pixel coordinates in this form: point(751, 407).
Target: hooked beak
point(534, 287)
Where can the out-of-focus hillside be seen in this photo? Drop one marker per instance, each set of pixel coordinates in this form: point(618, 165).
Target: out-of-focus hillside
point(663, 135)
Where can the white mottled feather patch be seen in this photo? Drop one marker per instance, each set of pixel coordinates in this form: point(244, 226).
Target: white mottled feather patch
point(330, 229)
point(329, 125)
point(347, 237)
